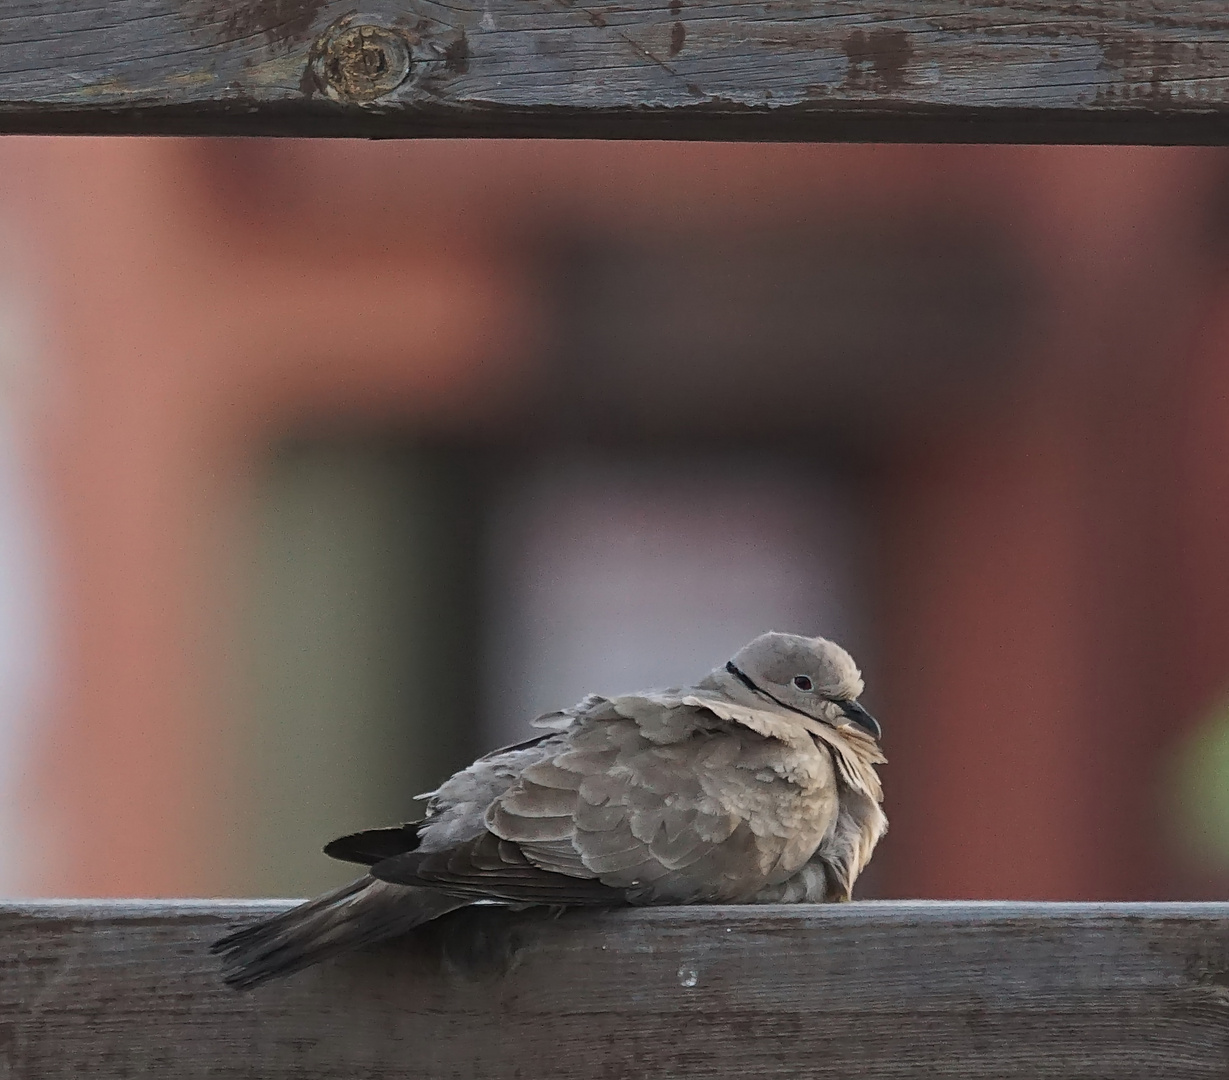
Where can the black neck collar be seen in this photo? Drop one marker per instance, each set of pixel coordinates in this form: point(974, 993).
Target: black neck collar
point(745, 679)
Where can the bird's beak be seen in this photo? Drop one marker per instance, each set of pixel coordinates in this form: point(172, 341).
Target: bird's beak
point(862, 718)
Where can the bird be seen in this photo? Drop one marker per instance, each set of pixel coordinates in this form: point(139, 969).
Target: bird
point(756, 785)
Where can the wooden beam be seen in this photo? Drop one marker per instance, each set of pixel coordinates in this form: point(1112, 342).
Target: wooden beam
point(906, 70)
point(884, 989)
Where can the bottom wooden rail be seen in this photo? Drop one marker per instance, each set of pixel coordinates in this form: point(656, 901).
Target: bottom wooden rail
point(878, 989)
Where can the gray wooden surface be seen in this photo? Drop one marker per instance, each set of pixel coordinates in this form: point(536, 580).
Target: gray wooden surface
point(1018, 70)
point(860, 990)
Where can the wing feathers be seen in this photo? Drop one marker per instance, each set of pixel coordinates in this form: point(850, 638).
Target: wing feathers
point(660, 800)
point(494, 868)
point(528, 800)
point(528, 828)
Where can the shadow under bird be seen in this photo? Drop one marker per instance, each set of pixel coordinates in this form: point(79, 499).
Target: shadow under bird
point(757, 785)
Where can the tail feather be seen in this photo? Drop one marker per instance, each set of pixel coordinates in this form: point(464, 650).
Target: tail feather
point(363, 912)
point(375, 845)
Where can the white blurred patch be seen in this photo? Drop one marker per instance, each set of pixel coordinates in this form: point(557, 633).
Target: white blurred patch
point(609, 576)
point(23, 593)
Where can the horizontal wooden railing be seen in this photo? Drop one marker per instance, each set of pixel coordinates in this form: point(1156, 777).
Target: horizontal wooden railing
point(984, 70)
point(882, 989)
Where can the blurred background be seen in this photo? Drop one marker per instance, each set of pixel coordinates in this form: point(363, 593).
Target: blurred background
point(326, 466)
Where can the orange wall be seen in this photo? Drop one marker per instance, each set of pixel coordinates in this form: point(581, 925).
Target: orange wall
point(200, 298)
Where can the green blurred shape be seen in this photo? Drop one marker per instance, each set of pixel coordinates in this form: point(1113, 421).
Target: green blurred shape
point(362, 650)
point(1199, 785)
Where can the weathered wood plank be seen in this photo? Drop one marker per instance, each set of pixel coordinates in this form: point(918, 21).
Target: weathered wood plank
point(860, 990)
point(994, 70)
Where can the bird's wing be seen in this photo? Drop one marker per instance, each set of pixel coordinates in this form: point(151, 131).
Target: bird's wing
point(667, 801)
point(492, 868)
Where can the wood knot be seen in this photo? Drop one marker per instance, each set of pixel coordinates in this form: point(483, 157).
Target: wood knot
point(360, 62)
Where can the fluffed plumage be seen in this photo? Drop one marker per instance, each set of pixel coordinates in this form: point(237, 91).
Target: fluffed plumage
point(757, 785)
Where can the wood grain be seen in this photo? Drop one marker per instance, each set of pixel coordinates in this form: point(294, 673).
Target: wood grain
point(942, 70)
point(860, 990)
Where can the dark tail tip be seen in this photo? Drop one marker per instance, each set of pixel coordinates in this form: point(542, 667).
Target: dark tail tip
point(287, 942)
point(374, 845)
point(252, 955)
point(361, 913)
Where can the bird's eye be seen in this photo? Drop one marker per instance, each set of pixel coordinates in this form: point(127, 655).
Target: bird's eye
point(802, 682)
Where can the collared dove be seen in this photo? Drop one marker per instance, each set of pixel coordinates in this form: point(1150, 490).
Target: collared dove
point(757, 785)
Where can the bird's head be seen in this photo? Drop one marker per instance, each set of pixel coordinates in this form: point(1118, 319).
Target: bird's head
point(810, 675)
